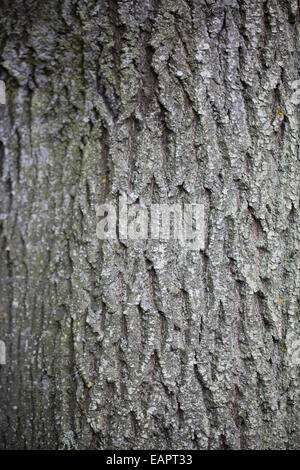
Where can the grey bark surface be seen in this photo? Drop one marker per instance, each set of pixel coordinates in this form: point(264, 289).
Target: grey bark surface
point(126, 345)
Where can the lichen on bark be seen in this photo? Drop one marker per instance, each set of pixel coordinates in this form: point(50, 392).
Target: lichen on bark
point(123, 345)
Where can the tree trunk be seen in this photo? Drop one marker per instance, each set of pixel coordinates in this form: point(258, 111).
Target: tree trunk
point(124, 344)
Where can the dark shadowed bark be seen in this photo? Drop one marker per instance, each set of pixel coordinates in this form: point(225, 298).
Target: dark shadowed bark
point(134, 345)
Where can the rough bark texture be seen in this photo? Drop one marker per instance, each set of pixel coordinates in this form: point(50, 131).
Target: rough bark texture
point(125, 345)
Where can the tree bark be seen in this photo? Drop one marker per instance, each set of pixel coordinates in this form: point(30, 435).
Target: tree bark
point(136, 345)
